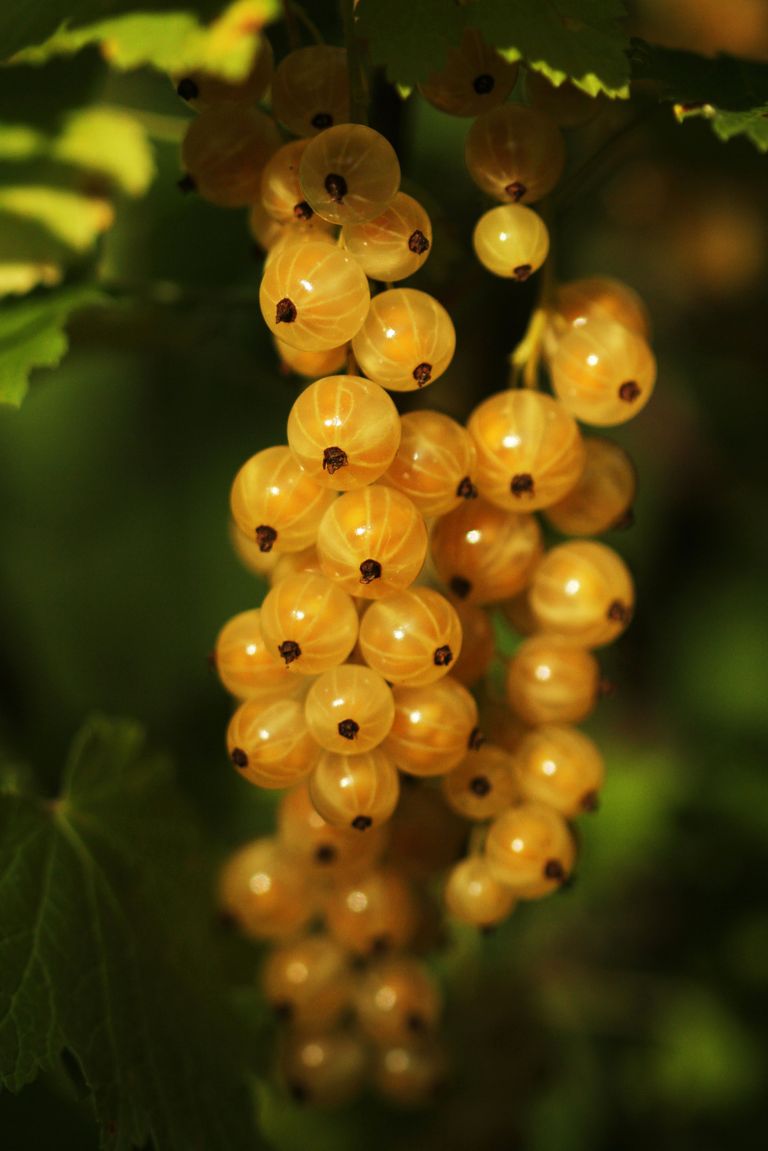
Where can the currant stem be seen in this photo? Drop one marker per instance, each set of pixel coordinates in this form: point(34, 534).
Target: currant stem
point(291, 24)
point(358, 85)
point(526, 357)
point(304, 18)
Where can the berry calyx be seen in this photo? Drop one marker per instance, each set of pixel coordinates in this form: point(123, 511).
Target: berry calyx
point(285, 311)
point(362, 822)
point(289, 651)
point(348, 728)
point(466, 489)
point(265, 537)
point(422, 374)
point(418, 243)
point(483, 84)
point(370, 570)
point(443, 656)
point(480, 785)
point(629, 391)
point(522, 485)
point(336, 187)
point(333, 459)
point(239, 757)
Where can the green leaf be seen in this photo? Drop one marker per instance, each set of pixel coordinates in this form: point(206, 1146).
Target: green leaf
point(106, 952)
point(32, 335)
point(172, 40)
point(731, 93)
point(576, 40)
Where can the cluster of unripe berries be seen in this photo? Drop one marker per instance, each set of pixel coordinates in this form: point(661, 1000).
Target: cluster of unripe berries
point(385, 539)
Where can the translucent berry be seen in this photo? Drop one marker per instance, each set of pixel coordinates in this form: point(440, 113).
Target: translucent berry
point(602, 298)
point(323, 1069)
point(281, 192)
point(549, 680)
point(311, 365)
point(274, 503)
point(529, 450)
point(511, 241)
point(244, 666)
point(374, 914)
point(372, 542)
point(515, 154)
point(412, 637)
point(224, 152)
point(349, 709)
point(344, 431)
point(530, 848)
point(483, 784)
point(313, 296)
point(325, 851)
point(310, 89)
point(307, 982)
point(435, 463)
point(247, 550)
point(393, 245)
point(202, 91)
point(410, 1074)
point(477, 645)
point(407, 340)
point(350, 174)
point(398, 999)
point(603, 373)
point(475, 77)
point(264, 229)
point(485, 554)
point(355, 791)
point(560, 766)
point(309, 622)
point(293, 563)
point(602, 497)
point(473, 895)
point(433, 727)
point(265, 890)
point(583, 592)
point(269, 743)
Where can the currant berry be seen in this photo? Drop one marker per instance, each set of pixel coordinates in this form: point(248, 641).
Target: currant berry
point(567, 105)
point(412, 637)
point(281, 193)
point(473, 895)
point(515, 154)
point(583, 592)
point(294, 563)
point(434, 464)
point(311, 365)
point(247, 550)
point(602, 298)
point(603, 373)
point(483, 784)
point(349, 709)
point(356, 791)
point(269, 743)
point(602, 497)
point(323, 850)
point(561, 767)
point(349, 174)
point(202, 91)
point(298, 234)
point(517, 611)
point(344, 431)
point(475, 77)
point(530, 849)
point(324, 1069)
point(313, 296)
point(274, 503)
point(374, 914)
point(393, 245)
point(485, 554)
point(307, 982)
point(265, 891)
point(224, 152)
point(372, 542)
point(410, 1074)
point(529, 450)
point(478, 644)
point(406, 341)
point(397, 999)
point(551, 681)
point(244, 665)
point(425, 835)
point(433, 728)
point(309, 623)
point(264, 229)
point(511, 241)
point(310, 89)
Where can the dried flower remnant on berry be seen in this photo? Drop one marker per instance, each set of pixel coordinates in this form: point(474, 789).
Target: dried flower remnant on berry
point(289, 650)
point(303, 211)
point(522, 485)
point(484, 84)
point(618, 612)
point(480, 785)
point(348, 728)
point(333, 459)
point(322, 120)
point(522, 272)
point(239, 757)
point(422, 374)
point(590, 802)
point(325, 853)
point(515, 191)
point(265, 537)
point(369, 571)
point(362, 822)
point(443, 656)
point(336, 187)
point(418, 243)
point(285, 311)
point(466, 490)
point(629, 391)
point(460, 586)
point(476, 739)
point(553, 869)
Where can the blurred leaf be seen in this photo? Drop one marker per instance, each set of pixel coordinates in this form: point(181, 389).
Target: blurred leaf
point(32, 336)
point(74, 219)
point(290, 1127)
point(579, 40)
point(106, 951)
point(110, 142)
point(170, 40)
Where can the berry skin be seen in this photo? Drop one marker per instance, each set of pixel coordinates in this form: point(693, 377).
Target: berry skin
point(406, 341)
point(309, 623)
point(583, 592)
point(603, 373)
point(310, 89)
point(472, 894)
point(566, 104)
point(529, 451)
point(374, 914)
point(603, 496)
point(307, 982)
point(269, 743)
point(265, 890)
point(511, 241)
point(244, 665)
point(355, 791)
point(324, 1069)
point(433, 727)
point(484, 554)
point(560, 766)
point(602, 298)
point(344, 432)
point(425, 835)
point(474, 78)
point(274, 503)
point(202, 91)
point(264, 229)
point(478, 645)
point(483, 784)
point(294, 563)
point(435, 463)
point(412, 637)
point(281, 193)
point(397, 1000)
point(324, 851)
point(515, 154)
point(349, 709)
point(393, 245)
point(247, 550)
point(372, 542)
point(313, 296)
point(349, 174)
point(410, 1074)
point(224, 152)
point(530, 849)
point(549, 680)
point(311, 365)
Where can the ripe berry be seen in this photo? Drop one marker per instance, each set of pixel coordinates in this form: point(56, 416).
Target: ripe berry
point(603, 373)
point(265, 891)
point(412, 637)
point(323, 1069)
point(355, 791)
point(349, 174)
point(515, 154)
point(602, 298)
point(202, 91)
point(435, 463)
point(323, 850)
point(560, 766)
point(475, 77)
point(483, 784)
point(473, 895)
point(603, 495)
point(349, 709)
point(311, 365)
point(477, 644)
point(269, 743)
point(511, 241)
point(549, 680)
point(583, 592)
point(374, 914)
point(309, 623)
point(307, 981)
point(484, 554)
point(310, 89)
point(409, 1074)
point(432, 728)
point(530, 849)
point(247, 550)
point(397, 999)
point(406, 341)
point(274, 503)
point(244, 665)
point(281, 193)
point(394, 244)
point(224, 152)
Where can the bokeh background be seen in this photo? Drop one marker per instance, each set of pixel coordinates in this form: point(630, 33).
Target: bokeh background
point(631, 1009)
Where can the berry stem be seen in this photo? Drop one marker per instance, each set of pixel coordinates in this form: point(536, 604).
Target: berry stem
point(291, 25)
point(525, 359)
point(358, 84)
point(304, 18)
